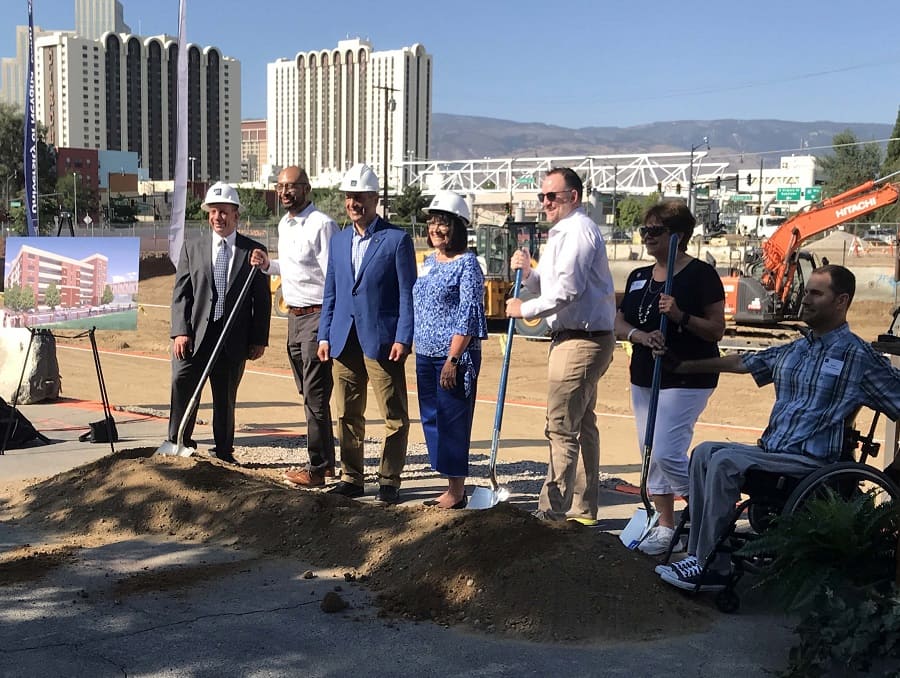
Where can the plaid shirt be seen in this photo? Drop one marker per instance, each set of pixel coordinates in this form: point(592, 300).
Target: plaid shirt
point(819, 383)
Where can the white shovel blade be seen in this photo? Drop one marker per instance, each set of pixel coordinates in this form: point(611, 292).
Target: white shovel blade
point(485, 498)
point(637, 528)
point(171, 449)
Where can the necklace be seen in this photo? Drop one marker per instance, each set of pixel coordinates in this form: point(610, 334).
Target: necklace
point(646, 304)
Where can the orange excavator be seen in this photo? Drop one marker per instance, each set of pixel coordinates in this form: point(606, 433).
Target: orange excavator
point(770, 290)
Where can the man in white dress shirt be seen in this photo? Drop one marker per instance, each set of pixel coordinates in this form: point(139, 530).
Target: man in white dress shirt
point(304, 234)
point(575, 294)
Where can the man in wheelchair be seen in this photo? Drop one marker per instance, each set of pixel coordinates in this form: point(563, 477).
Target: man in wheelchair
point(820, 380)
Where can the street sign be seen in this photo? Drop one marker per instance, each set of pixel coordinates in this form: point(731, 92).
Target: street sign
point(788, 193)
point(87, 220)
point(742, 197)
point(812, 193)
point(15, 203)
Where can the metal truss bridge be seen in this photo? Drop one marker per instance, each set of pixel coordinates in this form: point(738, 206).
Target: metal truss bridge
point(493, 180)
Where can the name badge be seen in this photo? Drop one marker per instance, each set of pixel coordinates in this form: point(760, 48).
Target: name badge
point(637, 285)
point(832, 366)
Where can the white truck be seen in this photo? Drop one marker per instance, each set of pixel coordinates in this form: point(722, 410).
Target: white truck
point(759, 226)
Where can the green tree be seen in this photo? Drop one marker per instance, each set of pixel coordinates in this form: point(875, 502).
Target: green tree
point(107, 295)
point(193, 210)
point(891, 213)
point(88, 200)
point(631, 209)
point(26, 299)
point(12, 297)
point(52, 296)
point(253, 204)
point(122, 211)
point(12, 129)
point(851, 164)
point(330, 201)
point(408, 205)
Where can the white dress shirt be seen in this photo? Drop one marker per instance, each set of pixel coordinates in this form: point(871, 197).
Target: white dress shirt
point(573, 281)
point(303, 243)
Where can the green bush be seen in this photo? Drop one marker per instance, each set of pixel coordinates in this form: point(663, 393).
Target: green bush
point(835, 562)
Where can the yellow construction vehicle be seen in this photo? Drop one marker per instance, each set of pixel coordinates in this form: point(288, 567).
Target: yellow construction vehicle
point(494, 245)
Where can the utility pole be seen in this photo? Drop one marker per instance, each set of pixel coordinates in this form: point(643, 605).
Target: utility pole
point(389, 105)
point(694, 147)
point(75, 207)
point(759, 219)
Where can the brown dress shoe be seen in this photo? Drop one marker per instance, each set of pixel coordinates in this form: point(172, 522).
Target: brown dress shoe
point(307, 477)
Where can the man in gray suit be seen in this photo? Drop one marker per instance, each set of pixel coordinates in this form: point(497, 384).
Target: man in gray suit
point(211, 271)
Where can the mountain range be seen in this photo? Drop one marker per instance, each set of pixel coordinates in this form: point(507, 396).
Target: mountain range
point(458, 137)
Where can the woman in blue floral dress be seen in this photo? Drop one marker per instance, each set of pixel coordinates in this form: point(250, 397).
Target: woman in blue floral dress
point(448, 298)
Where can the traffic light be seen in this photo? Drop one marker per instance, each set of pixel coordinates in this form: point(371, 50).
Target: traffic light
point(749, 179)
point(166, 197)
point(678, 189)
point(718, 183)
point(737, 181)
point(143, 197)
point(659, 187)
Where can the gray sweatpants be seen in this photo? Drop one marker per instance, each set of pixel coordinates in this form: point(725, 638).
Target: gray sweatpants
point(717, 474)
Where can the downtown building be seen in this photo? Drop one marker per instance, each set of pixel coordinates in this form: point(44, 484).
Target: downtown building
point(327, 110)
point(118, 93)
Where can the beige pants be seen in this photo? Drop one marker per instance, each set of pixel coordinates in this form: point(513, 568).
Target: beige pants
point(572, 484)
point(352, 372)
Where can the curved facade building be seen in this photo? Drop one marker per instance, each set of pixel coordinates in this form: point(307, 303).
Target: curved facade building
point(118, 93)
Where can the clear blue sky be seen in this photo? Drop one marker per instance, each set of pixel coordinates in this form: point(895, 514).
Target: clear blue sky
point(575, 64)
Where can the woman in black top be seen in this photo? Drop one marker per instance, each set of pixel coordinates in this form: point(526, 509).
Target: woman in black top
point(696, 321)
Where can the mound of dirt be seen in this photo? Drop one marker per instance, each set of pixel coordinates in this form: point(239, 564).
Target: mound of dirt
point(499, 571)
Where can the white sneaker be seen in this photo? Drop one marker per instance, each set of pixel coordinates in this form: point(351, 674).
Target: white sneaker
point(657, 542)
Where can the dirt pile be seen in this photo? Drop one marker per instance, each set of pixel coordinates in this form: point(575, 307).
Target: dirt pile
point(498, 571)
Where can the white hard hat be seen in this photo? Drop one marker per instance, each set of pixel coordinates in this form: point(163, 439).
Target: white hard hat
point(359, 179)
point(448, 201)
point(221, 193)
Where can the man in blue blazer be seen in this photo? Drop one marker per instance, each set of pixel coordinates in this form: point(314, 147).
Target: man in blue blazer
point(211, 271)
point(367, 327)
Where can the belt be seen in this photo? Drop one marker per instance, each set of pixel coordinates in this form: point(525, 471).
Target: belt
point(563, 335)
point(304, 310)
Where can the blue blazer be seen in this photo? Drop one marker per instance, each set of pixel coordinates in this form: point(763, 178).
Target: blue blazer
point(378, 300)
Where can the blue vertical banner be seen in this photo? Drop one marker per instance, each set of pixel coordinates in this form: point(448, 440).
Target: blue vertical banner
point(30, 138)
point(179, 194)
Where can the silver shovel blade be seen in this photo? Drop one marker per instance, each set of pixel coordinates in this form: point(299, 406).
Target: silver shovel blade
point(171, 449)
point(638, 528)
point(485, 498)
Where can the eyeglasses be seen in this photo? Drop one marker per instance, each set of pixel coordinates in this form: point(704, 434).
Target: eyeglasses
point(652, 231)
point(553, 196)
point(281, 188)
point(439, 223)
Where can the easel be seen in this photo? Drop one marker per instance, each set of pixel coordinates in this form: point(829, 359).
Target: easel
point(59, 226)
point(108, 421)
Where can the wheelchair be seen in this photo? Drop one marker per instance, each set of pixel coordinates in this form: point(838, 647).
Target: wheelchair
point(771, 494)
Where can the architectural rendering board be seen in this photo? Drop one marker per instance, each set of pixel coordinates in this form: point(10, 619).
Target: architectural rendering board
point(71, 283)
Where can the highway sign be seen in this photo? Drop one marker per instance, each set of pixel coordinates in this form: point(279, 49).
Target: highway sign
point(788, 193)
point(812, 193)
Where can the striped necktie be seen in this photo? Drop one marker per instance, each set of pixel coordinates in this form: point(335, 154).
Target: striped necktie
point(220, 277)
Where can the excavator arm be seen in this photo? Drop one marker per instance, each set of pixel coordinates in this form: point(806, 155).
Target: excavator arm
point(779, 250)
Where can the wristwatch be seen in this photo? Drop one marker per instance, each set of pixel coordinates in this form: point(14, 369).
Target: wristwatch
point(453, 360)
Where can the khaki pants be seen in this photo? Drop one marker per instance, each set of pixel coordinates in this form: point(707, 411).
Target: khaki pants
point(352, 373)
point(572, 484)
